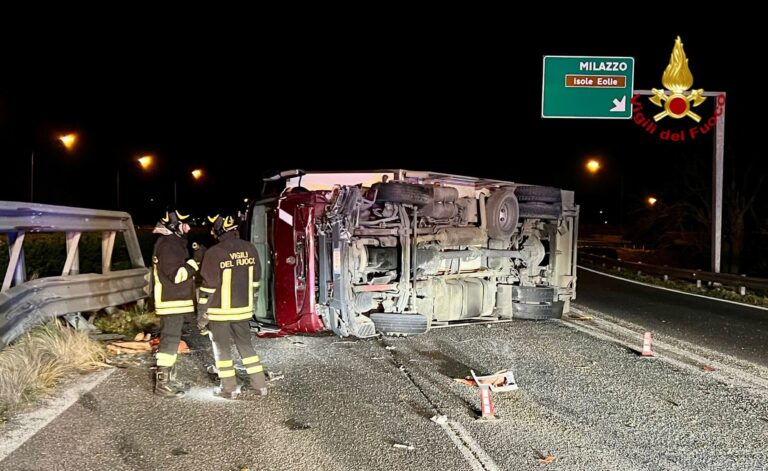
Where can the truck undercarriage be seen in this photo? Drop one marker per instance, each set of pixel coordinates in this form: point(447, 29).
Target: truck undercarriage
point(416, 250)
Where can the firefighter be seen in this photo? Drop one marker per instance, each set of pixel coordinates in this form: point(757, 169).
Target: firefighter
point(231, 273)
point(174, 294)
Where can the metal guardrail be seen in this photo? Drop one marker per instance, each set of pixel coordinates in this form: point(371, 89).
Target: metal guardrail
point(683, 273)
point(24, 304)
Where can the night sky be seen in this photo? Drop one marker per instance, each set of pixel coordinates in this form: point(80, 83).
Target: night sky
point(238, 103)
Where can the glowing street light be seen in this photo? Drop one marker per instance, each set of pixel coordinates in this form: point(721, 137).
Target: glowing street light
point(145, 161)
point(68, 140)
point(593, 166)
point(651, 201)
point(197, 174)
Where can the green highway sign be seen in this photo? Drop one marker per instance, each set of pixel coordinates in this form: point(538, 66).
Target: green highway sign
point(587, 87)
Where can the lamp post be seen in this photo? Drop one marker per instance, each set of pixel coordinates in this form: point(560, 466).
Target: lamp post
point(145, 161)
point(197, 174)
point(594, 166)
point(67, 140)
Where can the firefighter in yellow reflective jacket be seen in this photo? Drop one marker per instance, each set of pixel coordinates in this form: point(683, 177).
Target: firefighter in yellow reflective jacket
point(231, 273)
point(174, 293)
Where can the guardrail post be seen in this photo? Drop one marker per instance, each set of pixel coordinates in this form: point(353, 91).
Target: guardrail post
point(72, 265)
point(16, 270)
point(698, 283)
point(107, 244)
point(743, 290)
point(666, 277)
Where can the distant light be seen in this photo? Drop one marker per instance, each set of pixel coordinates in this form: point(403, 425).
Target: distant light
point(601, 211)
point(145, 161)
point(68, 140)
point(245, 200)
point(593, 166)
point(197, 174)
point(151, 200)
point(606, 222)
point(651, 200)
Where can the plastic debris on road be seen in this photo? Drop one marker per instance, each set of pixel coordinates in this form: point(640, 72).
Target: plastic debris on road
point(500, 381)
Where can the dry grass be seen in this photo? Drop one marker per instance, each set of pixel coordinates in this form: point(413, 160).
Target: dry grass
point(128, 322)
point(36, 362)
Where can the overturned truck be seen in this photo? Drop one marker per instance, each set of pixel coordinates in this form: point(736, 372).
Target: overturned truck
point(400, 252)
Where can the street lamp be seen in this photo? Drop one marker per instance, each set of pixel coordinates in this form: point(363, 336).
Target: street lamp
point(651, 200)
point(145, 161)
point(593, 166)
point(68, 140)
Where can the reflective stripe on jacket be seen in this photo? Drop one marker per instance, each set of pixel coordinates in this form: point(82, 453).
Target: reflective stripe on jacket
point(173, 272)
point(231, 273)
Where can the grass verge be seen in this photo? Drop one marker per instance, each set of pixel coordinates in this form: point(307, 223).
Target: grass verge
point(36, 362)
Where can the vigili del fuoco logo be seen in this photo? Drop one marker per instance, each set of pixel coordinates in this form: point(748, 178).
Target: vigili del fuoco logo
point(676, 103)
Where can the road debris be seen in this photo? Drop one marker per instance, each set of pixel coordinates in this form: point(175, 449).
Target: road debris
point(542, 458)
point(500, 381)
point(136, 347)
point(708, 368)
point(439, 419)
point(272, 376)
point(298, 344)
point(389, 347)
point(577, 317)
point(403, 447)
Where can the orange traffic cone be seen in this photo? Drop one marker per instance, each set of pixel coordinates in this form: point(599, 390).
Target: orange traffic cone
point(486, 404)
point(647, 352)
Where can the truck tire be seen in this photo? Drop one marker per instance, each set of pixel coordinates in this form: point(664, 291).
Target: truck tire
point(533, 294)
point(540, 210)
point(403, 193)
point(392, 323)
point(540, 194)
point(503, 214)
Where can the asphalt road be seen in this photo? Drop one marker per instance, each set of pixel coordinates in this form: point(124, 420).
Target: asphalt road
point(590, 404)
point(729, 328)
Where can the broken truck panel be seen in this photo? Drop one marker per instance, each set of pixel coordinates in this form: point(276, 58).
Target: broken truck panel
point(398, 251)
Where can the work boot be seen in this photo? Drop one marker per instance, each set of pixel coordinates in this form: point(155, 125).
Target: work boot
point(163, 385)
point(227, 389)
point(178, 385)
point(258, 385)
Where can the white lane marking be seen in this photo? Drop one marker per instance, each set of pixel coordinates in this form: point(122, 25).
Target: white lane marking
point(673, 290)
point(32, 422)
point(749, 374)
point(473, 453)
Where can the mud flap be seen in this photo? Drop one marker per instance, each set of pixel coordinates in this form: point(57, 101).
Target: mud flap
point(392, 323)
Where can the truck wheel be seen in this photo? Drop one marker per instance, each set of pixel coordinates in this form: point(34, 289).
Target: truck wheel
point(541, 194)
point(403, 193)
point(503, 213)
point(392, 323)
point(533, 294)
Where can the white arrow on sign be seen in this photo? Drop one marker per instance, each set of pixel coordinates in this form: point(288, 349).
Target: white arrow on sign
point(619, 105)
